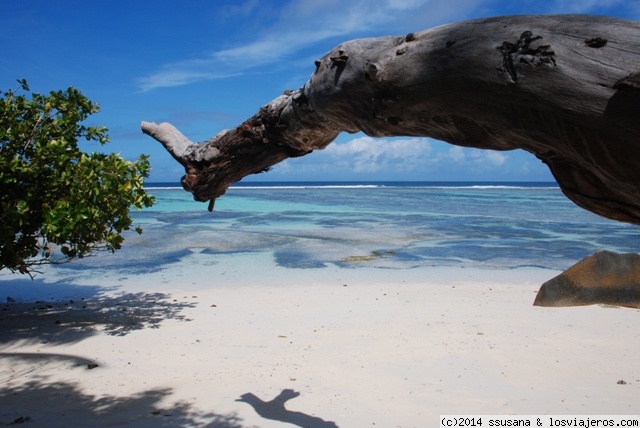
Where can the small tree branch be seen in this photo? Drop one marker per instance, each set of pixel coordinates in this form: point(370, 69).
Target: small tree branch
point(172, 139)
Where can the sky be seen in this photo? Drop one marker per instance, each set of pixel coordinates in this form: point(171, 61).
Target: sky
point(207, 65)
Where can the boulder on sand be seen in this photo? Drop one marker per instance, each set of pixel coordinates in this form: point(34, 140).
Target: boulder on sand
point(603, 277)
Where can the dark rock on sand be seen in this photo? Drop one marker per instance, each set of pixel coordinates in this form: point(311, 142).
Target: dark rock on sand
point(603, 277)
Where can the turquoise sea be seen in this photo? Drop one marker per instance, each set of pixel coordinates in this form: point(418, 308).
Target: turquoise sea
point(355, 225)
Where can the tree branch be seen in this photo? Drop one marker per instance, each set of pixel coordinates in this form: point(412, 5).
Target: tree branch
point(172, 139)
point(563, 87)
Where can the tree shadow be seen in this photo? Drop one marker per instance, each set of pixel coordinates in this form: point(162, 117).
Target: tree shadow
point(63, 313)
point(275, 410)
point(22, 288)
point(70, 321)
point(42, 402)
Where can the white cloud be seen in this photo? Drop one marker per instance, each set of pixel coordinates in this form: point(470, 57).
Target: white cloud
point(180, 74)
point(466, 157)
point(487, 157)
point(368, 155)
point(456, 153)
point(300, 24)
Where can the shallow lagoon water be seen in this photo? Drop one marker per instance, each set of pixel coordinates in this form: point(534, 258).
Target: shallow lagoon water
point(365, 225)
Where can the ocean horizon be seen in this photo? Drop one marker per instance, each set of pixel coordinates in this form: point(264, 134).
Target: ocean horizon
point(249, 184)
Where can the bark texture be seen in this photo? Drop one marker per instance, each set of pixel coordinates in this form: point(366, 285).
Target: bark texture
point(563, 87)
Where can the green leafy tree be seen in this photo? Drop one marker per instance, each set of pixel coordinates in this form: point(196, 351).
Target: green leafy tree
point(58, 203)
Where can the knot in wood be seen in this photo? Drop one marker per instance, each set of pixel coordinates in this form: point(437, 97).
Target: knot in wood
point(596, 42)
point(521, 52)
point(190, 178)
point(402, 50)
point(370, 70)
point(340, 59)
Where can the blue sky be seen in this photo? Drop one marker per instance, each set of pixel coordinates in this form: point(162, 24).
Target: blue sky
point(205, 66)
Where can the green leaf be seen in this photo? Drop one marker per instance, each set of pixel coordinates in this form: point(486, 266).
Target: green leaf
point(23, 84)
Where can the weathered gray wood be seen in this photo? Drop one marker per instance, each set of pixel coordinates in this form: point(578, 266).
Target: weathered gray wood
point(563, 87)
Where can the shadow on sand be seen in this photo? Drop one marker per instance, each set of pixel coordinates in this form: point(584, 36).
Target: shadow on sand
point(69, 321)
point(30, 395)
point(41, 402)
point(276, 411)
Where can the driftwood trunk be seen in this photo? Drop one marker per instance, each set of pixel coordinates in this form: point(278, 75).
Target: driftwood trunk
point(563, 87)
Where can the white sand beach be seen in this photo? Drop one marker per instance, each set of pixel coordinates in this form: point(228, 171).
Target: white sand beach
point(317, 347)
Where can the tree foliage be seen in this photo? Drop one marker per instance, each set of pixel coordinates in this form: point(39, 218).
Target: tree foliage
point(58, 203)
